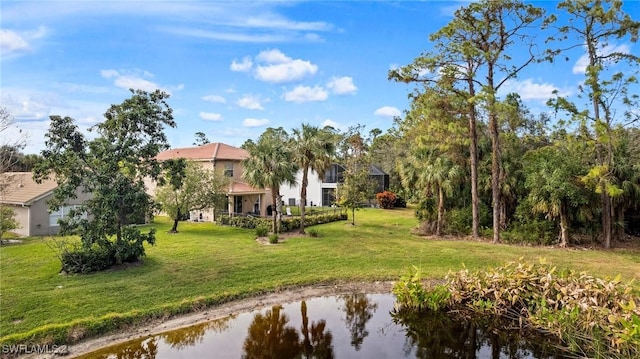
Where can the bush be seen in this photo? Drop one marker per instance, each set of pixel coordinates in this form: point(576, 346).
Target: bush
point(386, 199)
point(400, 202)
point(83, 258)
point(313, 232)
point(458, 220)
point(262, 231)
point(286, 225)
point(273, 238)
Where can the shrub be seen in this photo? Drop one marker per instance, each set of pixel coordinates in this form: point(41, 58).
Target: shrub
point(458, 220)
point(400, 202)
point(83, 258)
point(286, 225)
point(313, 232)
point(386, 199)
point(262, 231)
point(598, 317)
point(273, 238)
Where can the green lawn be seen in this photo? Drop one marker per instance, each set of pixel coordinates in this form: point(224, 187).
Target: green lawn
point(206, 264)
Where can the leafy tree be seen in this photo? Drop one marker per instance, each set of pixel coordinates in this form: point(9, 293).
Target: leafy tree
point(313, 148)
point(190, 188)
point(494, 27)
point(10, 150)
point(358, 187)
point(7, 220)
point(270, 164)
point(111, 168)
point(201, 139)
point(595, 24)
point(453, 68)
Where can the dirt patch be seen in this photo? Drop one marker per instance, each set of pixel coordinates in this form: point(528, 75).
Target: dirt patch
point(282, 237)
point(223, 310)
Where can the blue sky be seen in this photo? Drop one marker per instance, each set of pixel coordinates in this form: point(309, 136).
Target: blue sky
point(232, 68)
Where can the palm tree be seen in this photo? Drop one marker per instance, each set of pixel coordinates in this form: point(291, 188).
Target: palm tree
point(435, 176)
point(313, 149)
point(552, 181)
point(270, 164)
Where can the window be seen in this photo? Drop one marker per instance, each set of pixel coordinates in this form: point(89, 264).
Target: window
point(62, 213)
point(292, 201)
point(228, 169)
point(328, 196)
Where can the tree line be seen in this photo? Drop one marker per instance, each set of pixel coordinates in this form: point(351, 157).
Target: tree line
point(462, 149)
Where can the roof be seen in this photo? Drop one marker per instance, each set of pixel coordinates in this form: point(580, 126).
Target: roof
point(238, 187)
point(210, 151)
point(376, 171)
point(22, 189)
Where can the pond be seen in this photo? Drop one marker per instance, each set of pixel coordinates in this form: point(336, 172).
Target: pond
point(347, 326)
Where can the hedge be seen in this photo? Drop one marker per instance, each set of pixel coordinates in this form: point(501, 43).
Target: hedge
point(287, 223)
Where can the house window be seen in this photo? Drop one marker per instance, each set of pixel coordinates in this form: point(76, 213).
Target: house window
point(328, 196)
point(228, 169)
point(62, 213)
point(292, 201)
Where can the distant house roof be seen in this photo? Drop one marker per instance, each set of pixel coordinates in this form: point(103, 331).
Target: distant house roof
point(22, 189)
point(376, 171)
point(210, 151)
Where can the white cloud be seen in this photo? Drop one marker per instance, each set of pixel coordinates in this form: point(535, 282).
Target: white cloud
point(209, 116)
point(279, 68)
point(342, 86)
point(255, 122)
point(580, 67)
point(11, 42)
point(330, 123)
point(132, 80)
point(243, 66)
point(306, 94)
point(271, 21)
point(387, 111)
point(214, 99)
point(274, 56)
point(529, 90)
point(252, 102)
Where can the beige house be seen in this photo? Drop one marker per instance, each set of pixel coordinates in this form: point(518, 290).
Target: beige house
point(29, 201)
point(243, 198)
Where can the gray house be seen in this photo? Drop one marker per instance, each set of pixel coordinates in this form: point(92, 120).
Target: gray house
point(29, 201)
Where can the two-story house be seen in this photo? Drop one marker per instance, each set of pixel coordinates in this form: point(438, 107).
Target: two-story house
point(226, 159)
point(322, 191)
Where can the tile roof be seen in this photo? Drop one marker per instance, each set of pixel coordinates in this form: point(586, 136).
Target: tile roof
point(238, 187)
point(210, 151)
point(22, 189)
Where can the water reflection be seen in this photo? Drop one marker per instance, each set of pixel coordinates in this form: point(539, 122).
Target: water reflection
point(434, 335)
point(349, 326)
point(358, 310)
point(269, 337)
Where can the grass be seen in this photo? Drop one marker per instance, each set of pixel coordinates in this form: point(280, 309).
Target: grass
point(206, 264)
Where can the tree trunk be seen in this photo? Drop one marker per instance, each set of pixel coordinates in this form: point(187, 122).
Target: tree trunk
point(606, 218)
point(274, 199)
point(353, 216)
point(564, 227)
point(494, 133)
point(619, 223)
point(303, 196)
point(473, 150)
point(440, 211)
point(174, 229)
point(495, 176)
